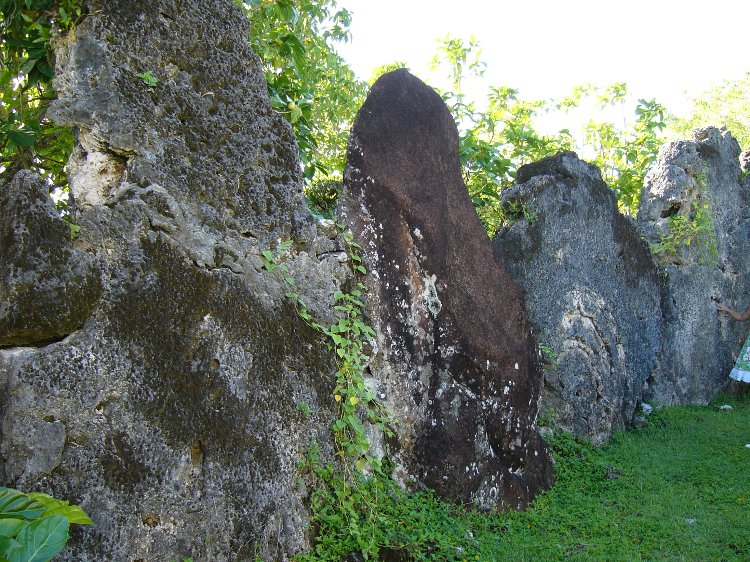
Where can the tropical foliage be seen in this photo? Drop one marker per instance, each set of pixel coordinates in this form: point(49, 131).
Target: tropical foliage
point(727, 103)
point(34, 526)
point(311, 85)
point(308, 81)
point(29, 29)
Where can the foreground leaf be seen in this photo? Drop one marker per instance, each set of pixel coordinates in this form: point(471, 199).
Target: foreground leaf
point(17, 505)
point(9, 527)
point(41, 540)
point(7, 547)
point(53, 506)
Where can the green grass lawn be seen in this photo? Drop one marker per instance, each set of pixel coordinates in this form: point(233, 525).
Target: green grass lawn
point(676, 490)
point(681, 492)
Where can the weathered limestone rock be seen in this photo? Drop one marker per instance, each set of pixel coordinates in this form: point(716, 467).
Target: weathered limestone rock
point(696, 184)
point(166, 403)
point(187, 139)
point(456, 360)
point(47, 288)
point(591, 289)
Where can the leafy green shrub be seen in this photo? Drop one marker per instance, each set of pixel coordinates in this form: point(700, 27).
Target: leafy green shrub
point(34, 527)
point(691, 229)
point(683, 231)
point(495, 140)
point(29, 31)
point(625, 155)
point(502, 135)
point(322, 195)
point(725, 104)
point(309, 83)
point(516, 211)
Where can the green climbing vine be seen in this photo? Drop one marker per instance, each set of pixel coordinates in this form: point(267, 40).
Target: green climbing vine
point(353, 487)
point(348, 337)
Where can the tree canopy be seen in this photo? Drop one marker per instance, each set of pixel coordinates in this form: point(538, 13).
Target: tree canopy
point(727, 104)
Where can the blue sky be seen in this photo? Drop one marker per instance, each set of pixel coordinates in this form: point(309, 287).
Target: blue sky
point(661, 48)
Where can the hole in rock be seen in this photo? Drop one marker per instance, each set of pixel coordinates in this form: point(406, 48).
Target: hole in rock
point(672, 210)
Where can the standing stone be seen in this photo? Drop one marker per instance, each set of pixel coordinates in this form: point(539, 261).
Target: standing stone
point(592, 292)
point(159, 389)
point(456, 362)
point(695, 213)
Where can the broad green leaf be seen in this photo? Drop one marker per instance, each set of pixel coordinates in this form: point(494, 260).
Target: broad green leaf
point(296, 114)
point(41, 540)
point(53, 506)
point(15, 504)
point(10, 527)
point(7, 547)
point(21, 138)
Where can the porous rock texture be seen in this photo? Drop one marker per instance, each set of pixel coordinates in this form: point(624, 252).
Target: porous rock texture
point(48, 288)
point(698, 181)
point(592, 292)
point(456, 362)
point(150, 369)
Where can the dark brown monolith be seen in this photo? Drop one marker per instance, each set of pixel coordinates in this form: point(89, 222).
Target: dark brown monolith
point(456, 361)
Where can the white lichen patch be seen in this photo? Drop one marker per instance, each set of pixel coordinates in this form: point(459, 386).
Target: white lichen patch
point(430, 296)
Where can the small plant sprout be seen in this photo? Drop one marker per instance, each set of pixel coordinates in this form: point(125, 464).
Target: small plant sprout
point(549, 354)
point(149, 80)
point(305, 409)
